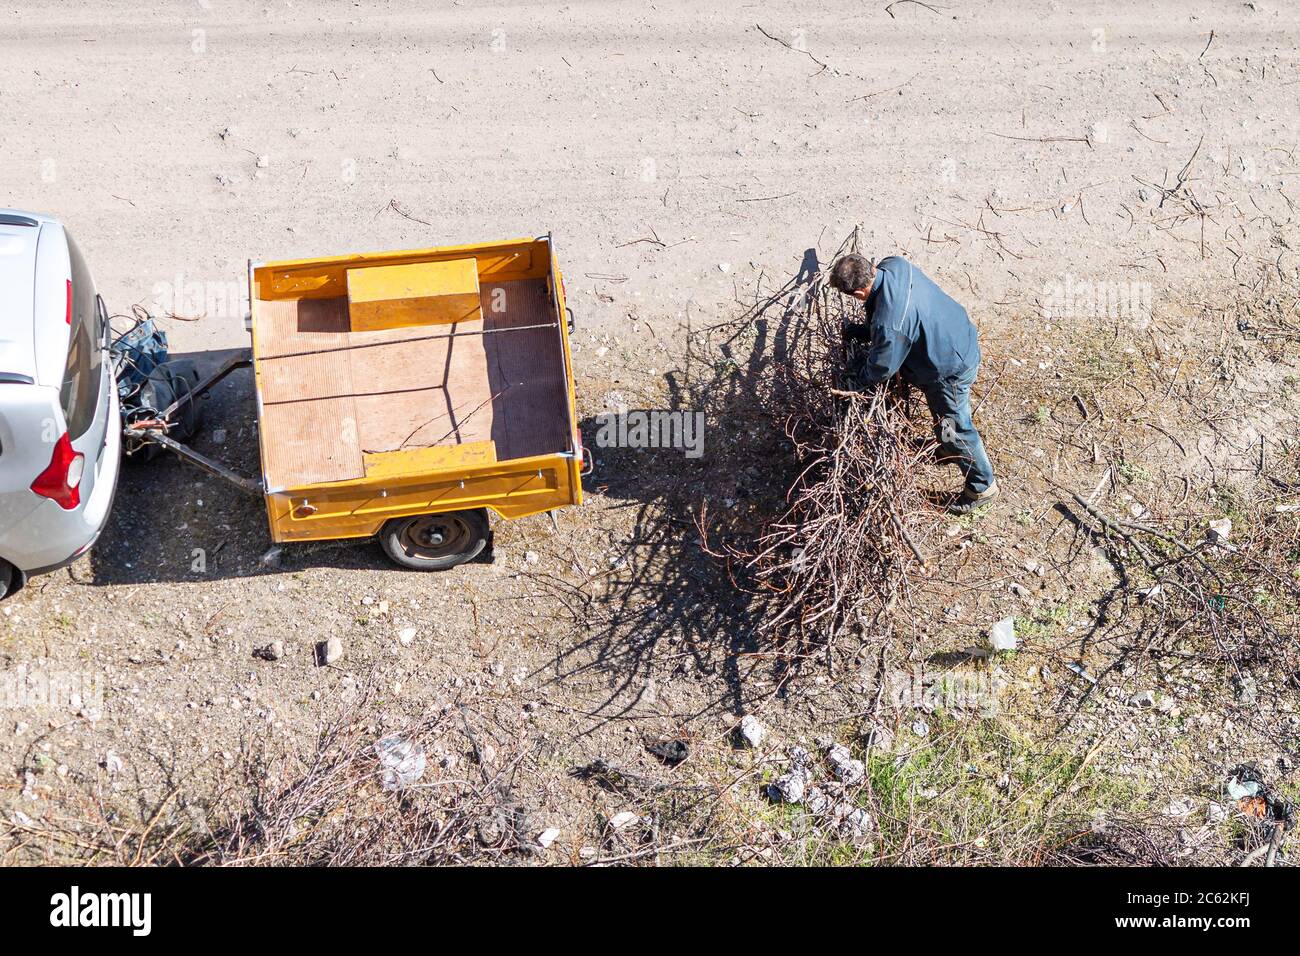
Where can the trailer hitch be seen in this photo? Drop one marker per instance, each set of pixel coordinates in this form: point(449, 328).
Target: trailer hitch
point(144, 425)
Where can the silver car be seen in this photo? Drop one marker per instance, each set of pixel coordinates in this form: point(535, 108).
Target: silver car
point(60, 432)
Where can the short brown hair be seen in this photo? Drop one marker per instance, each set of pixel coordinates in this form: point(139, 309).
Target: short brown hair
point(851, 273)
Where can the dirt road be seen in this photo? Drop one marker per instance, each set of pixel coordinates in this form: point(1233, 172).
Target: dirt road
point(1002, 148)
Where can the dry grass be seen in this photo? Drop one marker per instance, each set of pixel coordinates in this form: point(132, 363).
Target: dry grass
point(333, 809)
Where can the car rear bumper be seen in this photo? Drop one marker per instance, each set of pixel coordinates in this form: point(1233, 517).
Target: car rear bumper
point(67, 530)
point(49, 537)
point(52, 538)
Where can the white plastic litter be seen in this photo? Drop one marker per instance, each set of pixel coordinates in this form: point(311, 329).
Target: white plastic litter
point(403, 762)
point(1241, 789)
point(1003, 635)
point(1219, 531)
point(624, 819)
point(1079, 669)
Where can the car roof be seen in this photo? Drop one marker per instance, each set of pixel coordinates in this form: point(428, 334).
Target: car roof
point(34, 268)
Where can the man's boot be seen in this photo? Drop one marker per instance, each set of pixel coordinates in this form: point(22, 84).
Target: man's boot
point(973, 500)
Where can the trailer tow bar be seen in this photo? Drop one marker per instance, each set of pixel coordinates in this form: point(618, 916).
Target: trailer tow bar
point(215, 468)
point(154, 430)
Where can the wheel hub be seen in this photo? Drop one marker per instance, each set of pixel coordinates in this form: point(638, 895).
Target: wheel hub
point(434, 537)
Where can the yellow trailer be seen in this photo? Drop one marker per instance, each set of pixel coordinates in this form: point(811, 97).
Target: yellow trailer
point(404, 395)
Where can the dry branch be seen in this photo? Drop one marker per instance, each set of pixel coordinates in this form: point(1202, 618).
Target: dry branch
point(844, 550)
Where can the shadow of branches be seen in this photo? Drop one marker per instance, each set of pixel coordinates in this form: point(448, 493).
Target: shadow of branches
point(794, 528)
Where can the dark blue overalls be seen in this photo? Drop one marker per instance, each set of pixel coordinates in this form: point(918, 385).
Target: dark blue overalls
point(919, 330)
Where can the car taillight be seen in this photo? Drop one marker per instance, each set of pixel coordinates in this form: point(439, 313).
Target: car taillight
point(61, 481)
point(68, 314)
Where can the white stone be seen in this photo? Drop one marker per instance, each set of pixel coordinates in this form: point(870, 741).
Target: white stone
point(790, 787)
point(848, 770)
point(751, 731)
point(856, 822)
point(816, 801)
point(330, 651)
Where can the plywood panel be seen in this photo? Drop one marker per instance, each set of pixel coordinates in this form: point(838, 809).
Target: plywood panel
point(311, 442)
point(309, 423)
point(420, 420)
point(308, 377)
point(330, 396)
point(525, 368)
point(290, 326)
point(422, 392)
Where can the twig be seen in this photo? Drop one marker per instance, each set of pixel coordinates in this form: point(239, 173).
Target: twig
point(1207, 46)
point(889, 8)
point(1048, 139)
point(392, 204)
point(795, 49)
point(766, 198)
point(867, 96)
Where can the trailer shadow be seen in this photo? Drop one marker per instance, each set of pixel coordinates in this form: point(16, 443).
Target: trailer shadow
point(682, 607)
point(171, 522)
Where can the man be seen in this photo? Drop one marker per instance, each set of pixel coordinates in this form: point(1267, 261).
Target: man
point(918, 330)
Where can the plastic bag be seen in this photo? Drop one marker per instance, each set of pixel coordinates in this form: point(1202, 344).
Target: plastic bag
point(403, 762)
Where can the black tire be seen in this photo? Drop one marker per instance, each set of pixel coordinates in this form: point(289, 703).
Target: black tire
point(436, 542)
point(6, 579)
point(182, 376)
point(168, 382)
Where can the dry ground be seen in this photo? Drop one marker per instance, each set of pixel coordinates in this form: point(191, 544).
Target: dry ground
point(686, 161)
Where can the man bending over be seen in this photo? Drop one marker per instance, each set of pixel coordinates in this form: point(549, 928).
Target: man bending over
point(920, 332)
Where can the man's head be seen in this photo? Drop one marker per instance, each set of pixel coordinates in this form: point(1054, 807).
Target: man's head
point(853, 275)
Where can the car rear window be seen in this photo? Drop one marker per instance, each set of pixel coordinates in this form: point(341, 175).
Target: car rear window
point(79, 395)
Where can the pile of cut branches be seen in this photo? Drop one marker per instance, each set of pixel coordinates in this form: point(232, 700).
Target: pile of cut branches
point(841, 557)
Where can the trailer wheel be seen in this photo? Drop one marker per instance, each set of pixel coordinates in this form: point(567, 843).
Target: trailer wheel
point(436, 542)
